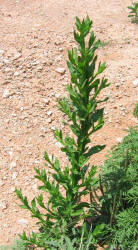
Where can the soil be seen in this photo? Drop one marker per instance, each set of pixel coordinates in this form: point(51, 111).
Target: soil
point(35, 36)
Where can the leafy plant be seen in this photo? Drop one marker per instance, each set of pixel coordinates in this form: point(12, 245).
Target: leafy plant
point(134, 12)
point(104, 43)
point(17, 245)
point(66, 210)
point(119, 199)
point(135, 113)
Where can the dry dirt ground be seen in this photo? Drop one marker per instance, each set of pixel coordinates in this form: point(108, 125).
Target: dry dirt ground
point(34, 38)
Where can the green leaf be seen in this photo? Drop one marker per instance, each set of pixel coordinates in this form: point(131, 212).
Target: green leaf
point(98, 230)
point(95, 150)
point(91, 39)
point(40, 201)
point(101, 68)
point(78, 24)
point(33, 203)
point(77, 213)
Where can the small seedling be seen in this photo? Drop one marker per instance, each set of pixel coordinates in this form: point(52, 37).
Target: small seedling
point(135, 112)
point(134, 12)
point(104, 43)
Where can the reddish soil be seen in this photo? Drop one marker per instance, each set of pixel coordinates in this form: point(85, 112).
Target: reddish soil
point(34, 38)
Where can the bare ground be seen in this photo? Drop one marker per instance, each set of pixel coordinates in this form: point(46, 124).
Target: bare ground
point(34, 38)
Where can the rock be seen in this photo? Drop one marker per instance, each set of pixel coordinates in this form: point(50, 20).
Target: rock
point(1, 52)
point(46, 100)
point(40, 68)
point(42, 129)
point(58, 144)
point(5, 93)
point(110, 120)
point(53, 128)
point(49, 113)
point(16, 73)
point(12, 165)
point(22, 221)
point(105, 112)
point(49, 120)
point(57, 95)
point(58, 58)
point(119, 139)
point(11, 191)
point(60, 49)
point(14, 175)
point(17, 55)
point(7, 70)
point(6, 61)
point(57, 42)
point(5, 178)
point(3, 205)
point(61, 70)
point(117, 85)
point(1, 184)
point(34, 63)
point(135, 83)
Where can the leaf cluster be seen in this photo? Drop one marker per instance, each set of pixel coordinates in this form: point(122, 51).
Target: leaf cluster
point(119, 188)
point(134, 12)
point(135, 112)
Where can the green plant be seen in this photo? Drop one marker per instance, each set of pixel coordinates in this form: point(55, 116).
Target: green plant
point(134, 12)
point(17, 245)
point(65, 243)
point(66, 210)
point(135, 112)
point(104, 43)
point(119, 199)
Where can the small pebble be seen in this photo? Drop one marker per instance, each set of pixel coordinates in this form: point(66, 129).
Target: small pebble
point(12, 165)
point(49, 113)
point(119, 139)
point(61, 70)
point(14, 175)
point(22, 221)
point(135, 83)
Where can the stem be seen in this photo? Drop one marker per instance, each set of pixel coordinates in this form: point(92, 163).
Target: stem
point(113, 211)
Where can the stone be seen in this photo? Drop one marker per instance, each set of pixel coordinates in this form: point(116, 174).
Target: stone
point(49, 113)
point(7, 70)
point(119, 139)
point(22, 221)
point(105, 112)
point(46, 100)
point(58, 58)
point(60, 49)
point(61, 70)
point(16, 73)
point(34, 63)
point(53, 128)
point(135, 83)
point(49, 120)
point(58, 144)
point(3, 205)
point(17, 55)
point(57, 95)
point(12, 165)
point(5, 93)
point(6, 61)
point(1, 51)
point(1, 184)
point(14, 175)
